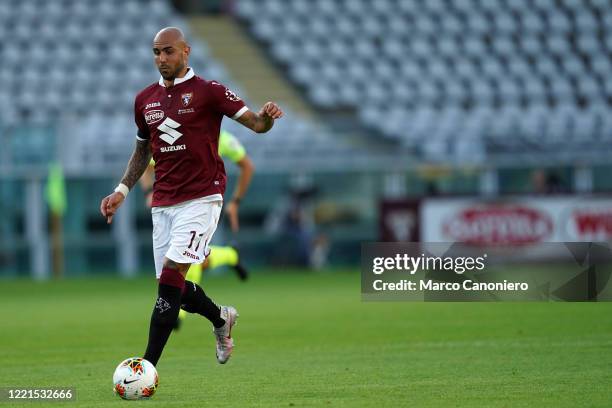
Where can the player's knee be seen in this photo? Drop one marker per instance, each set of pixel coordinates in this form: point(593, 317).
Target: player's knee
point(181, 267)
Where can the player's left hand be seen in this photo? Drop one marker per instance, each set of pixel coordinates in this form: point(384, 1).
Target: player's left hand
point(231, 210)
point(272, 110)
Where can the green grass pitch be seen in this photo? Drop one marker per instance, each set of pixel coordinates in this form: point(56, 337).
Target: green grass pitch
point(307, 340)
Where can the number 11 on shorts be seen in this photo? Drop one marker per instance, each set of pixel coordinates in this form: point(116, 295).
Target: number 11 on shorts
point(193, 235)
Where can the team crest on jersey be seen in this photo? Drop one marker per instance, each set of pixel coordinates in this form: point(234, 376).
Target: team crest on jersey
point(186, 98)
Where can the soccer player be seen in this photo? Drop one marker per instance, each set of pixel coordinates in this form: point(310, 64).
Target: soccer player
point(179, 120)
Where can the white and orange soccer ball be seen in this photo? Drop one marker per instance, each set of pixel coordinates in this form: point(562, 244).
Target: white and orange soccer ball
point(135, 378)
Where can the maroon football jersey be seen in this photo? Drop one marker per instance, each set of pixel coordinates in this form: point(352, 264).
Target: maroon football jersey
point(183, 124)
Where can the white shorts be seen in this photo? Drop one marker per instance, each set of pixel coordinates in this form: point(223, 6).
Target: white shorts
point(182, 232)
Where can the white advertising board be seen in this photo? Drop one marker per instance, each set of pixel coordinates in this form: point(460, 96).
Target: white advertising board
point(516, 221)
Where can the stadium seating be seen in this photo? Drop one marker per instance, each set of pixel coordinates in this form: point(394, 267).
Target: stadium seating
point(78, 70)
point(505, 75)
point(434, 76)
point(80, 65)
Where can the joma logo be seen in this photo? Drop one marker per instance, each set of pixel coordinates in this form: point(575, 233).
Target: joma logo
point(192, 256)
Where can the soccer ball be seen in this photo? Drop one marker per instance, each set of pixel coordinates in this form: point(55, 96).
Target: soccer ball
point(135, 378)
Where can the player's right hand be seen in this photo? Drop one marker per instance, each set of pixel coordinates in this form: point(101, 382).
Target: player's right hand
point(272, 110)
point(110, 204)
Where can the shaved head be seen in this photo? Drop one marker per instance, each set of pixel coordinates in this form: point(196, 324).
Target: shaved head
point(171, 52)
point(172, 35)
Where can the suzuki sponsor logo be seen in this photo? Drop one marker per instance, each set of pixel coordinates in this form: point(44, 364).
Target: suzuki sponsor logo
point(172, 148)
point(169, 133)
point(499, 225)
point(154, 116)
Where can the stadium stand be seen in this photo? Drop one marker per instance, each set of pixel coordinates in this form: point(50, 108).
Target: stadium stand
point(461, 79)
point(437, 75)
point(76, 73)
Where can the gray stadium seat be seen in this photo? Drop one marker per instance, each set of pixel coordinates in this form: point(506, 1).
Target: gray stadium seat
point(446, 67)
point(547, 61)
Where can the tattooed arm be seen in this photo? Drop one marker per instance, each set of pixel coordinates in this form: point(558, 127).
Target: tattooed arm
point(138, 163)
point(136, 166)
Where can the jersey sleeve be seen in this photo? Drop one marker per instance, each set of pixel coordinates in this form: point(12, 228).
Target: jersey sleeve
point(230, 147)
point(141, 124)
point(226, 101)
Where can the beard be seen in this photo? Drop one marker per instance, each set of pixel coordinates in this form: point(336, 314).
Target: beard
point(171, 75)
